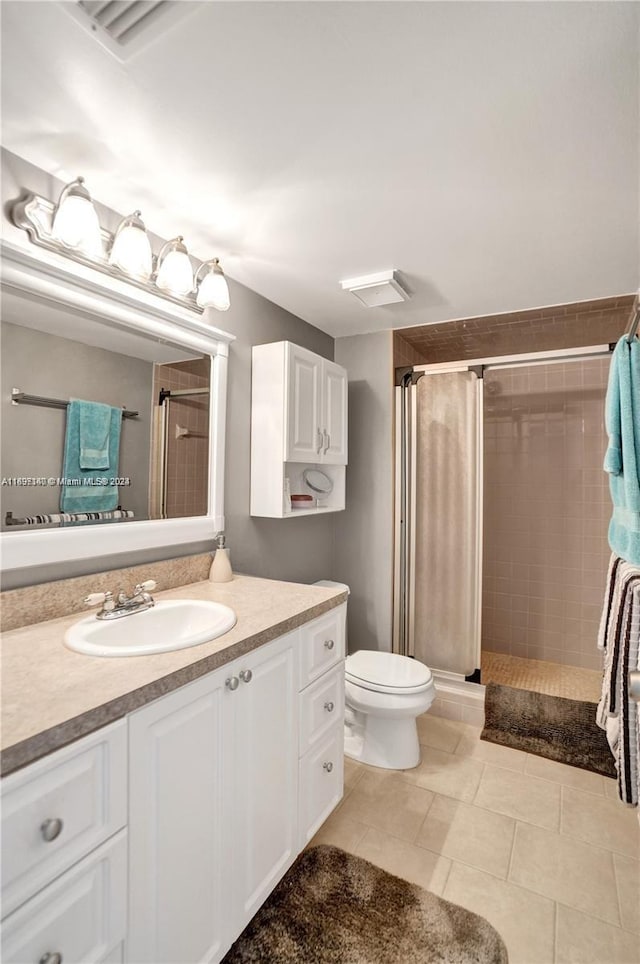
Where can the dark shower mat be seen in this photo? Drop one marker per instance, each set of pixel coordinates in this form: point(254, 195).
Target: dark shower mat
point(550, 726)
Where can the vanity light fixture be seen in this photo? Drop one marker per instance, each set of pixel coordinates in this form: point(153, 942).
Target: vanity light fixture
point(174, 272)
point(71, 228)
point(131, 248)
point(75, 222)
point(213, 290)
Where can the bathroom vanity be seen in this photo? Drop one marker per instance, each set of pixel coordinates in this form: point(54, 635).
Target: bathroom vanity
point(157, 837)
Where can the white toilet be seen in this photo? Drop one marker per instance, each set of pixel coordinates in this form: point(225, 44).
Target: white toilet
point(384, 694)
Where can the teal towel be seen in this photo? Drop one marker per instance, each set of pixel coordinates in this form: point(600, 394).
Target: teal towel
point(89, 490)
point(95, 429)
point(622, 458)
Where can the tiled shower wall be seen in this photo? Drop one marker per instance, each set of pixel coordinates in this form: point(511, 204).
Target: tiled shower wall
point(546, 511)
point(188, 456)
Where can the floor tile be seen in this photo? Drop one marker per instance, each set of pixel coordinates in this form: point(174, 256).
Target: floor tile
point(500, 756)
point(583, 940)
point(539, 766)
point(524, 920)
point(447, 773)
point(352, 773)
point(565, 870)
point(340, 831)
point(405, 860)
point(389, 802)
point(440, 733)
point(520, 796)
point(469, 834)
point(628, 881)
point(610, 788)
point(604, 823)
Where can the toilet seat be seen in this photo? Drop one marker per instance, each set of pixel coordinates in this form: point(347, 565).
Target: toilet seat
point(387, 673)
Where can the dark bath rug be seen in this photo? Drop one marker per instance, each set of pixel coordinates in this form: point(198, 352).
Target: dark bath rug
point(334, 908)
point(550, 726)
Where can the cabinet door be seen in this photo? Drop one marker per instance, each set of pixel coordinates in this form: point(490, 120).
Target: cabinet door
point(265, 742)
point(303, 438)
point(334, 414)
point(176, 862)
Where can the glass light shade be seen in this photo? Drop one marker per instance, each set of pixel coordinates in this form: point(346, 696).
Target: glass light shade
point(75, 222)
point(131, 249)
point(175, 274)
point(213, 291)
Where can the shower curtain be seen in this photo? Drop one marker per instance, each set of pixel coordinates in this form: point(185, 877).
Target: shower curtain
point(438, 572)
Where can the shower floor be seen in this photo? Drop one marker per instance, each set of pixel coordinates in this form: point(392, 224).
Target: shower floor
point(554, 679)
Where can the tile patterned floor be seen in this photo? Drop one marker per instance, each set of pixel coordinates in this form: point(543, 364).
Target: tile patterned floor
point(544, 851)
point(554, 679)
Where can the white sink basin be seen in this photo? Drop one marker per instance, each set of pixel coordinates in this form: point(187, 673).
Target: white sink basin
point(171, 624)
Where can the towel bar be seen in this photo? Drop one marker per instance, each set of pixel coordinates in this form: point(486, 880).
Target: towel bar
point(21, 398)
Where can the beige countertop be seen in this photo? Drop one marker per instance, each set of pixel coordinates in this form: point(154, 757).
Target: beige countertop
point(52, 696)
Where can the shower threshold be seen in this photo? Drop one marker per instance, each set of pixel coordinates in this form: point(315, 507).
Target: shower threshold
point(542, 676)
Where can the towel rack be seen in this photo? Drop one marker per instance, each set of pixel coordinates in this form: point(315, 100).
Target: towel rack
point(21, 398)
point(634, 320)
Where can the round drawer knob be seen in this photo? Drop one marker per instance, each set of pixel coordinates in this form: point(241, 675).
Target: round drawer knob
point(329, 706)
point(49, 958)
point(51, 829)
point(329, 643)
point(328, 767)
point(232, 683)
point(246, 675)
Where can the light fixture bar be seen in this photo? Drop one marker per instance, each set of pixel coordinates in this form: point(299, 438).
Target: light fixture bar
point(34, 214)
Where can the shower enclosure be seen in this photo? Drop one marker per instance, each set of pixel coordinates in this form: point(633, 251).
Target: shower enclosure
point(501, 511)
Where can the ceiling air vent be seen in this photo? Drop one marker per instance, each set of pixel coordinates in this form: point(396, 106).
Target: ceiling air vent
point(124, 27)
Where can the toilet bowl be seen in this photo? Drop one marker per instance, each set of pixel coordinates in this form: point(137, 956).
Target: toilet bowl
point(384, 694)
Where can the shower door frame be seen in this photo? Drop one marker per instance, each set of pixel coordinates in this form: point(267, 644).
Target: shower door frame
point(405, 500)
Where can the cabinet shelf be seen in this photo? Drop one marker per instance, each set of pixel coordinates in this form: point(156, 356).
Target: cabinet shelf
point(318, 510)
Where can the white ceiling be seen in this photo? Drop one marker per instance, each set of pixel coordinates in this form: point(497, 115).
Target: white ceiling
point(489, 151)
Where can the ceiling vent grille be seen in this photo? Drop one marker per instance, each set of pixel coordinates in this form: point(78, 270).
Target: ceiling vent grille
point(124, 27)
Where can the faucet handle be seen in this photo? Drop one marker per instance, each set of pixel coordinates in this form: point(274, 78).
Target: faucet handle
point(100, 598)
point(95, 598)
point(148, 586)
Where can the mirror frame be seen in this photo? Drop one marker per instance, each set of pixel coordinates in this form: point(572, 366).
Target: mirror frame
point(50, 278)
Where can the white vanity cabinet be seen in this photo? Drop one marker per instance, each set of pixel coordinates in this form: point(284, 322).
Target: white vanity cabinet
point(298, 421)
point(228, 778)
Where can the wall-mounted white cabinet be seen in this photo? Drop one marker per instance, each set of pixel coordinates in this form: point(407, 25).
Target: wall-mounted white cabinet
point(298, 421)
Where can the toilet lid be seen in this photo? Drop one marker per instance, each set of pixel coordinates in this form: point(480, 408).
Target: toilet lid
point(389, 671)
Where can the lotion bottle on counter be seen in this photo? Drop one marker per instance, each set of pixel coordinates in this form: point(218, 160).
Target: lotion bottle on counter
point(221, 566)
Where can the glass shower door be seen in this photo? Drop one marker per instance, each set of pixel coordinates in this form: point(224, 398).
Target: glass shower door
point(439, 521)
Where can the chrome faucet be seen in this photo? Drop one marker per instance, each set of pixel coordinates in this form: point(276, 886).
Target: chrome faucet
point(139, 600)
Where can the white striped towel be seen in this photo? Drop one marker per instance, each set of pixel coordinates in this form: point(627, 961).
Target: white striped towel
point(619, 637)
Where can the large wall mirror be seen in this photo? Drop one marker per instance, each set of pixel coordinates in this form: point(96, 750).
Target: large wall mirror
point(155, 477)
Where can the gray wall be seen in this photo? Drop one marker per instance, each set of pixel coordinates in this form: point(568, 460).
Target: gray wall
point(363, 555)
point(33, 438)
point(297, 550)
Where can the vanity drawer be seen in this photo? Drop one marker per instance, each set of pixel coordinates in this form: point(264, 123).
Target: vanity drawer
point(321, 645)
point(60, 808)
point(321, 706)
point(321, 782)
point(81, 916)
